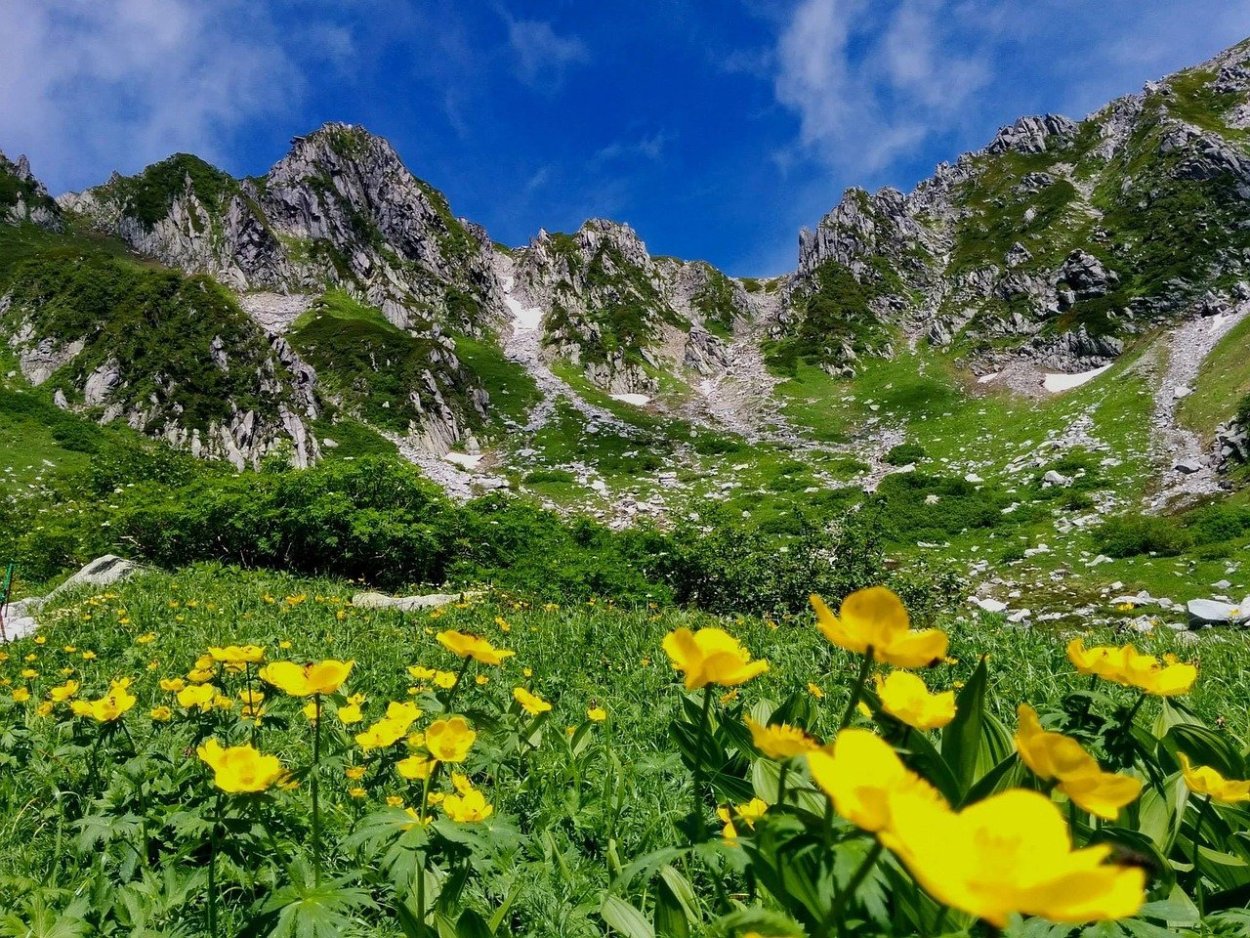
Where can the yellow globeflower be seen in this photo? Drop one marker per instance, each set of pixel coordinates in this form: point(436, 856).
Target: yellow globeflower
point(874, 621)
point(381, 734)
point(905, 697)
point(111, 706)
point(479, 649)
point(1204, 780)
point(421, 673)
point(711, 656)
point(467, 808)
point(596, 714)
point(322, 677)
point(240, 769)
point(1061, 758)
point(350, 712)
point(445, 679)
point(237, 654)
point(860, 773)
point(172, 684)
point(415, 768)
point(21, 695)
point(1166, 678)
point(450, 740)
point(64, 692)
point(747, 813)
point(355, 772)
point(780, 741)
point(161, 714)
point(197, 695)
point(530, 703)
point(1010, 853)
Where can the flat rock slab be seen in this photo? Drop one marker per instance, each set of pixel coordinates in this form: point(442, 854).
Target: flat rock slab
point(1214, 612)
point(408, 603)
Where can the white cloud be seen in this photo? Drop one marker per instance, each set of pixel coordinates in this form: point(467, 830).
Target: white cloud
point(867, 87)
point(541, 55)
point(124, 82)
point(648, 147)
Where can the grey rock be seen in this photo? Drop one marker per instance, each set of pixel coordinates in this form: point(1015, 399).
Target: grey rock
point(410, 603)
point(1214, 612)
point(103, 571)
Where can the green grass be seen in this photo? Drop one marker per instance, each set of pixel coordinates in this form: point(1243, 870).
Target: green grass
point(512, 391)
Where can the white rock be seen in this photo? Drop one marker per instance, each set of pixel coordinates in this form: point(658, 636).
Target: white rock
point(408, 603)
point(1213, 612)
point(989, 605)
point(973, 478)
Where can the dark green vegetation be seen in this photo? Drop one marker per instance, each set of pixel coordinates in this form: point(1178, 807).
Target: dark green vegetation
point(157, 327)
point(149, 195)
point(14, 189)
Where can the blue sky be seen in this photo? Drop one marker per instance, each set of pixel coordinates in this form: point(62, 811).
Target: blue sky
point(717, 128)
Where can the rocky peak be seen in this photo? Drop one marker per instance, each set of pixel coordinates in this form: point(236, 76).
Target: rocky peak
point(23, 198)
point(1033, 134)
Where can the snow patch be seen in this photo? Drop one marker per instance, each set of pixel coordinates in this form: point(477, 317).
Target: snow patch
point(467, 460)
point(1054, 383)
point(638, 400)
point(528, 318)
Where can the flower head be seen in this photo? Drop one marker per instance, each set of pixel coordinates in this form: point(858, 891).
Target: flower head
point(416, 768)
point(237, 654)
point(450, 740)
point(596, 714)
point(780, 741)
point(322, 677)
point(861, 773)
point(905, 697)
point(1204, 780)
point(464, 645)
point(199, 696)
point(1053, 756)
point(64, 692)
point(468, 807)
point(240, 769)
point(711, 656)
point(1010, 853)
point(874, 622)
point(530, 703)
point(110, 707)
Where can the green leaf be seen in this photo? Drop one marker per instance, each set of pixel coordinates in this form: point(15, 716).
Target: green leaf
point(961, 739)
point(624, 918)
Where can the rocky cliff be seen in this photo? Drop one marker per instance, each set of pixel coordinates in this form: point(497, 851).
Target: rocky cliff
point(1059, 241)
point(23, 197)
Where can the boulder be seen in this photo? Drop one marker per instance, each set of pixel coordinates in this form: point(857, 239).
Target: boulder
point(409, 603)
point(1214, 612)
point(989, 605)
point(103, 571)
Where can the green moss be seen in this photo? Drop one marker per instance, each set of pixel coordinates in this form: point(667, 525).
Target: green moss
point(835, 313)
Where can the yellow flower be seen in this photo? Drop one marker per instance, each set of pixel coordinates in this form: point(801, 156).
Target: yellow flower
point(1080, 777)
point(530, 703)
point(146, 638)
point(29, 673)
point(240, 769)
point(200, 675)
point(780, 741)
point(350, 713)
point(1204, 780)
point(355, 772)
point(237, 654)
point(394, 801)
point(41, 639)
point(415, 767)
point(467, 808)
point(874, 621)
point(312, 711)
point(1010, 853)
point(322, 677)
point(161, 714)
point(904, 696)
point(747, 813)
point(21, 695)
point(357, 792)
point(479, 649)
point(711, 656)
point(814, 690)
point(111, 706)
point(64, 692)
point(450, 740)
point(172, 684)
point(860, 773)
point(596, 714)
point(444, 679)
point(1167, 678)
point(481, 680)
point(44, 709)
point(421, 673)
point(198, 695)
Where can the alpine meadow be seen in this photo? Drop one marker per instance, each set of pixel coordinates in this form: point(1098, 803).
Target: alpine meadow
point(366, 576)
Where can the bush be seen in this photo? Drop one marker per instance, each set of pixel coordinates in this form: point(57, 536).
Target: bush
point(1212, 524)
point(549, 475)
point(905, 453)
point(1130, 535)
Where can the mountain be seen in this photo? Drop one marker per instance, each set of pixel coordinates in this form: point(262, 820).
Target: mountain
point(337, 303)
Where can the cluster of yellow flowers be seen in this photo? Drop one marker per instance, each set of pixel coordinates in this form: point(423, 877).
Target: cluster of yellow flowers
point(1009, 853)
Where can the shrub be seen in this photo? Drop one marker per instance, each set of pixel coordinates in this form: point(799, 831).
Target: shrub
point(549, 475)
point(1130, 535)
point(905, 453)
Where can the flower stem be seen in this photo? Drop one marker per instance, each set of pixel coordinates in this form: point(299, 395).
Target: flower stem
point(857, 879)
point(1202, 816)
point(858, 689)
point(316, 807)
point(781, 782)
point(212, 870)
point(699, 823)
